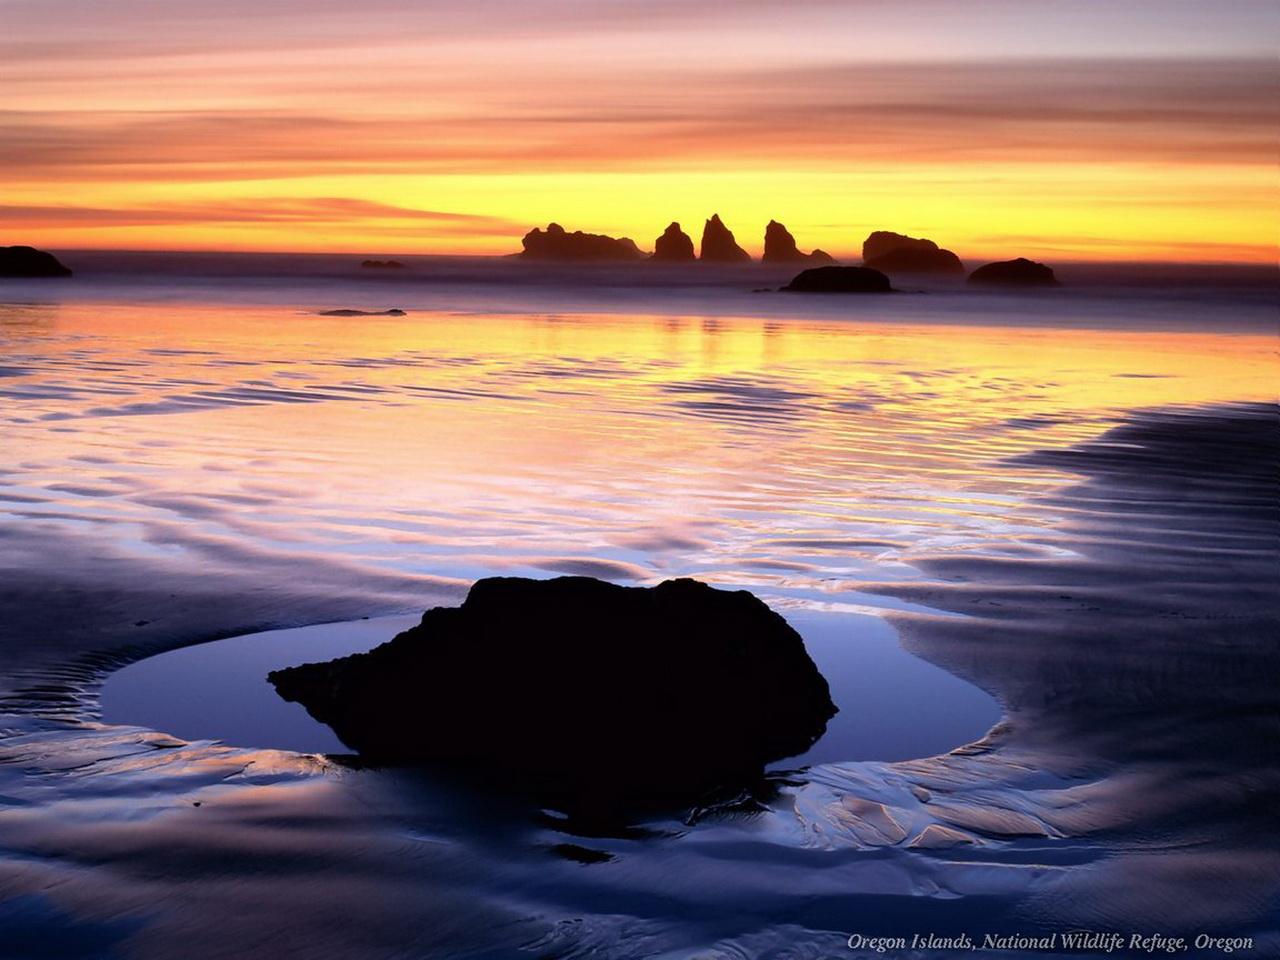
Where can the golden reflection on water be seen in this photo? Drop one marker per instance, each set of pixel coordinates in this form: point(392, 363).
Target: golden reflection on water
point(797, 455)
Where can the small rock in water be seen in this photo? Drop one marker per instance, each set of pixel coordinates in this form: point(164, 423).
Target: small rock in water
point(603, 698)
point(1014, 273)
point(393, 312)
point(839, 280)
point(383, 265)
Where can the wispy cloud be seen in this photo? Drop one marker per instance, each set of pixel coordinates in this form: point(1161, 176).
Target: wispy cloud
point(1061, 111)
point(270, 210)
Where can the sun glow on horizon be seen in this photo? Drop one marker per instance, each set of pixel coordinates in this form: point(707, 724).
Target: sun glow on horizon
point(1099, 133)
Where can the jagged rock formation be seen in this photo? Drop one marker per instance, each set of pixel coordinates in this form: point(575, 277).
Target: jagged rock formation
point(718, 244)
point(603, 697)
point(30, 262)
point(839, 280)
point(895, 253)
point(383, 265)
point(674, 245)
point(1014, 273)
point(780, 247)
point(556, 243)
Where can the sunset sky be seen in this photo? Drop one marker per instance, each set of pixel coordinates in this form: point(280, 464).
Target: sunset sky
point(1072, 129)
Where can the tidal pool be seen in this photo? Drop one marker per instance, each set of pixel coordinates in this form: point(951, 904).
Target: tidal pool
point(893, 706)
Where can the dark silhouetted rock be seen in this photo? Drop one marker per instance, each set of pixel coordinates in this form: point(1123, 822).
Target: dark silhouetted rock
point(556, 243)
point(917, 260)
point(895, 253)
point(393, 312)
point(780, 247)
point(1014, 273)
point(383, 265)
point(718, 245)
point(880, 242)
point(599, 696)
point(674, 245)
point(839, 280)
point(30, 262)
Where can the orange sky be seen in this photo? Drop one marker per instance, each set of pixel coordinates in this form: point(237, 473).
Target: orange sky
point(1130, 129)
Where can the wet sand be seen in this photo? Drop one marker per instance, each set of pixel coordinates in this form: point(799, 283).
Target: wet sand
point(1113, 570)
point(1137, 676)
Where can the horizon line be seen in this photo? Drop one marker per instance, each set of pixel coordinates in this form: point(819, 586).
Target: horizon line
point(515, 255)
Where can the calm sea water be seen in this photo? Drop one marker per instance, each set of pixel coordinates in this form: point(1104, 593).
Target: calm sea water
point(800, 454)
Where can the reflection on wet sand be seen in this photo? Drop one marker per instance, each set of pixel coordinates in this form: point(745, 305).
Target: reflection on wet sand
point(176, 473)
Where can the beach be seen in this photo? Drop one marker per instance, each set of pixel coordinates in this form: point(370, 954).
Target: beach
point(1063, 500)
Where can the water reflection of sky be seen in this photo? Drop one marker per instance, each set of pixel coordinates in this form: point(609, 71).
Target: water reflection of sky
point(801, 459)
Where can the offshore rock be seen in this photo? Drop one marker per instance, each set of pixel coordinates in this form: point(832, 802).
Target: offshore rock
point(895, 253)
point(780, 247)
point(1014, 273)
point(839, 280)
point(909, 260)
point(718, 244)
point(674, 245)
point(556, 243)
point(30, 262)
point(393, 312)
point(603, 696)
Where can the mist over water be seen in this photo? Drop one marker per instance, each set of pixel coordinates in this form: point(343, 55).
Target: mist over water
point(192, 459)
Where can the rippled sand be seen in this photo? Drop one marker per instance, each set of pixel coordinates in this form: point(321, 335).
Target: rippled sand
point(1080, 521)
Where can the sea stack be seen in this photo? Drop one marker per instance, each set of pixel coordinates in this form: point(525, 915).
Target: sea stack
point(896, 253)
point(780, 247)
point(1014, 273)
point(674, 245)
point(601, 697)
point(556, 243)
point(718, 244)
point(30, 262)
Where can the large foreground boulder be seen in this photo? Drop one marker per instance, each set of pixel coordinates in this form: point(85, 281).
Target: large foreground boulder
point(30, 262)
point(892, 252)
point(718, 244)
point(839, 280)
point(556, 243)
point(608, 697)
point(674, 245)
point(780, 247)
point(1014, 273)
